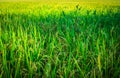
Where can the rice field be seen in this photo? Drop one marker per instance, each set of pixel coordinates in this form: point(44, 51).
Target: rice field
point(59, 40)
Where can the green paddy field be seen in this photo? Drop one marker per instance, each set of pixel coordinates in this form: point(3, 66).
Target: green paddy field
point(59, 39)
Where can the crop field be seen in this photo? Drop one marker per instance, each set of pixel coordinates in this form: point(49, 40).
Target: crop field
point(59, 39)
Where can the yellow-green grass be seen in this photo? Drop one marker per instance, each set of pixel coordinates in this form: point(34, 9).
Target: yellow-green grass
point(66, 40)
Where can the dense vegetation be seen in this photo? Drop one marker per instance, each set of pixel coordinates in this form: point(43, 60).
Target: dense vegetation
point(61, 40)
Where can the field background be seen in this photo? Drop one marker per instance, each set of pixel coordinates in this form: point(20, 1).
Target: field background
point(59, 39)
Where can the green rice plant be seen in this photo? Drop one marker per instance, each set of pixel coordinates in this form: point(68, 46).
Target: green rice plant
point(59, 40)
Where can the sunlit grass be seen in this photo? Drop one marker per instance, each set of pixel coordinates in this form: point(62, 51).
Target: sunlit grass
point(66, 40)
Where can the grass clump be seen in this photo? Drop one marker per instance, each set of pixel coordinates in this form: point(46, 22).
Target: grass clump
point(61, 41)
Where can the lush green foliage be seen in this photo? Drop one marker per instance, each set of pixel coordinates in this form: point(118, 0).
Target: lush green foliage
point(63, 40)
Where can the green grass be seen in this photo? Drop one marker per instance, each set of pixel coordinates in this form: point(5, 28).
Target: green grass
point(63, 40)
